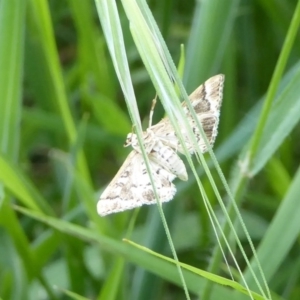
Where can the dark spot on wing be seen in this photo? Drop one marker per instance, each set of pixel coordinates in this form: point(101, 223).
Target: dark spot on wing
point(148, 195)
point(125, 174)
point(202, 106)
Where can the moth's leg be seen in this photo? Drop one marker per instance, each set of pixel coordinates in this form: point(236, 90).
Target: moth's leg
point(152, 111)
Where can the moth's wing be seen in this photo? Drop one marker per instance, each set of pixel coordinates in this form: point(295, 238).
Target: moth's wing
point(118, 194)
point(131, 187)
point(206, 101)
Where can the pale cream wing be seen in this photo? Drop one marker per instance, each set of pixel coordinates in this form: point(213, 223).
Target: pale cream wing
point(131, 187)
point(206, 101)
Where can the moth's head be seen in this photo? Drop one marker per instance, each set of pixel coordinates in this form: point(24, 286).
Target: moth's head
point(131, 139)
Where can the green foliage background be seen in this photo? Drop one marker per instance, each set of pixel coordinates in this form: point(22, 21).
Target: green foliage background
point(63, 120)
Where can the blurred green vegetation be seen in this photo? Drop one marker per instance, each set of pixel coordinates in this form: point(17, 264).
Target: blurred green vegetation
point(63, 121)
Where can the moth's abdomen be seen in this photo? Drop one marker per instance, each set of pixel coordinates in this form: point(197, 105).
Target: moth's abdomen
point(167, 158)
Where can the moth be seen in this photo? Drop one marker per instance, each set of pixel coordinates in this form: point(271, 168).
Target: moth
point(131, 187)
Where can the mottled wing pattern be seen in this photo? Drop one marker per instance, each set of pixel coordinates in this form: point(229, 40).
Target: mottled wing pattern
point(206, 101)
point(131, 187)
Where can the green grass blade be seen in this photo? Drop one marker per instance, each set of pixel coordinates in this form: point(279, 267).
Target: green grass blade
point(277, 75)
point(11, 61)
point(49, 57)
point(151, 263)
point(288, 210)
point(282, 120)
point(212, 25)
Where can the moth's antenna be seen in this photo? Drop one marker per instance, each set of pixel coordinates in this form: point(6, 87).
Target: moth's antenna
point(152, 110)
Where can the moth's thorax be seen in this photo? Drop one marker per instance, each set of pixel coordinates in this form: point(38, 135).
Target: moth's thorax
point(148, 140)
